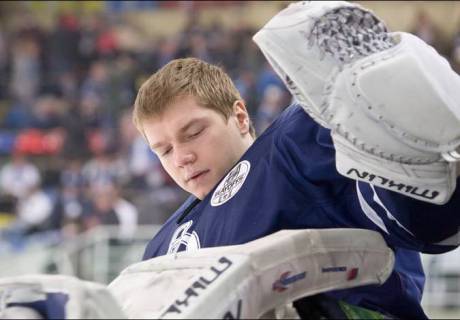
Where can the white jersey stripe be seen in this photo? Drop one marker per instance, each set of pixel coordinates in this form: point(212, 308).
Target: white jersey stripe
point(369, 212)
point(389, 215)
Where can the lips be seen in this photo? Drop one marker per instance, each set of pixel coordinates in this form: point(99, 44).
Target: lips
point(195, 175)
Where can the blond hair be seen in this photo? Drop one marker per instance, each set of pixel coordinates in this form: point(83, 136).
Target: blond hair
point(208, 84)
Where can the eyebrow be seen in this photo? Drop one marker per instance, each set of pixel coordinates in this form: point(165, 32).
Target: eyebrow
point(181, 130)
point(156, 145)
point(191, 123)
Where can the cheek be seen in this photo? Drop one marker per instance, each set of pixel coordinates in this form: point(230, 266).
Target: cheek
point(215, 142)
point(169, 168)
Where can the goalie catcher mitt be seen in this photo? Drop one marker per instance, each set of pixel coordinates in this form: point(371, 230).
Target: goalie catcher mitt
point(390, 100)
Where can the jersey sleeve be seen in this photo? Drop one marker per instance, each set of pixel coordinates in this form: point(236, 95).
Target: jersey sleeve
point(429, 228)
point(404, 222)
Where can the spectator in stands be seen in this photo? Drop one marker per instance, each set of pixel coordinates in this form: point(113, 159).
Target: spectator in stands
point(63, 54)
point(27, 43)
point(121, 88)
point(19, 176)
point(17, 115)
point(105, 168)
point(76, 142)
point(33, 211)
point(67, 84)
point(97, 96)
point(140, 161)
point(47, 112)
point(107, 43)
point(91, 113)
point(246, 85)
point(108, 207)
point(266, 78)
point(33, 216)
point(97, 81)
point(71, 203)
point(87, 45)
point(273, 103)
point(26, 67)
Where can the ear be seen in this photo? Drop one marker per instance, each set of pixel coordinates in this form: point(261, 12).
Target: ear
point(242, 116)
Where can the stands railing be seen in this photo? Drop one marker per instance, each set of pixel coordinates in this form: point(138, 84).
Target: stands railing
point(442, 286)
point(97, 255)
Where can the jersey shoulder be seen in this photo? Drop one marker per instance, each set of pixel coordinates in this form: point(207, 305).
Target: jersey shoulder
point(158, 246)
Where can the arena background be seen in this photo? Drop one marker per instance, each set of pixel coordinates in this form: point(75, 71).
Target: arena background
point(80, 193)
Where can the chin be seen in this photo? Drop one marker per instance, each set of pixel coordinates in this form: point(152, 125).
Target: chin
point(200, 194)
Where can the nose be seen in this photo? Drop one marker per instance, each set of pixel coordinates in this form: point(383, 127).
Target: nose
point(182, 157)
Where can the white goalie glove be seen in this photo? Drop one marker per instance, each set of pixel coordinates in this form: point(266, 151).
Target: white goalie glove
point(249, 280)
point(391, 101)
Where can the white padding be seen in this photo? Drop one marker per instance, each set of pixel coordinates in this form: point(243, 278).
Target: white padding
point(394, 113)
point(413, 92)
point(86, 300)
point(246, 281)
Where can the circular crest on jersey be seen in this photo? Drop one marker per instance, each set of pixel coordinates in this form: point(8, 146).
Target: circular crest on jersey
point(231, 183)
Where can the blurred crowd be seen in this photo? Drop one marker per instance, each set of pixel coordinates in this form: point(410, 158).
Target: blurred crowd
point(70, 158)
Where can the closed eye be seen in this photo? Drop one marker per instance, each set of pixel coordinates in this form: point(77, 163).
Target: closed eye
point(195, 134)
point(166, 152)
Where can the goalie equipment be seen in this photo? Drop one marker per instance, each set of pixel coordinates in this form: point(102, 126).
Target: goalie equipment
point(55, 297)
point(249, 280)
point(390, 100)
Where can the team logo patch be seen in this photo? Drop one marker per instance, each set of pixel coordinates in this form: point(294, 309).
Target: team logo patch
point(231, 183)
point(286, 279)
point(184, 240)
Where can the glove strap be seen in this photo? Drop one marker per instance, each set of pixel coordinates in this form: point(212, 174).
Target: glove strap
point(434, 182)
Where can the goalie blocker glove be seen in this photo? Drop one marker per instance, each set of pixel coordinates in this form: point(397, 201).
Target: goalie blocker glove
point(390, 100)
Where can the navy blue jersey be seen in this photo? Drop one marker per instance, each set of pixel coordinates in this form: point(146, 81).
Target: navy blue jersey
point(287, 180)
